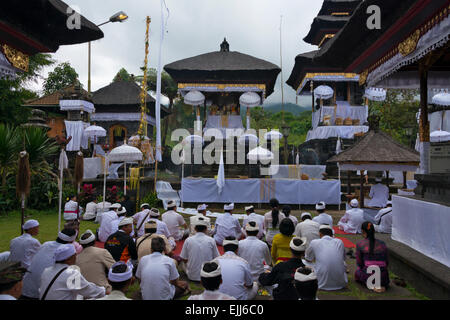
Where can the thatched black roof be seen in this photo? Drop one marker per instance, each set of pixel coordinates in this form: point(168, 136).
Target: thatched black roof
point(33, 26)
point(123, 96)
point(225, 66)
point(356, 36)
point(323, 25)
point(331, 6)
point(377, 147)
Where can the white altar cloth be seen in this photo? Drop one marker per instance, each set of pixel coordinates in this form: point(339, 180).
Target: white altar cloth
point(215, 122)
point(295, 172)
point(255, 191)
point(422, 226)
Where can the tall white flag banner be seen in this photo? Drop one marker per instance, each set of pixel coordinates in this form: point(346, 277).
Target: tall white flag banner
point(221, 174)
point(63, 164)
point(158, 85)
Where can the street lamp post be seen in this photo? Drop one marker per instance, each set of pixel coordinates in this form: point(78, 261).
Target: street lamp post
point(286, 130)
point(118, 17)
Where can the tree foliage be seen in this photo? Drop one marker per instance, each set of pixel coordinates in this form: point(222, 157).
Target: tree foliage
point(122, 75)
point(63, 76)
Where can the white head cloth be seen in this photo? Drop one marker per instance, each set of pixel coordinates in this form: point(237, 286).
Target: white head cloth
point(305, 214)
point(115, 206)
point(120, 277)
point(227, 242)
point(202, 207)
point(354, 203)
point(66, 238)
point(30, 224)
point(320, 206)
point(325, 226)
point(378, 179)
point(144, 204)
point(90, 239)
point(64, 252)
point(303, 277)
point(171, 204)
point(228, 207)
point(301, 247)
point(211, 274)
point(125, 222)
point(154, 212)
point(251, 228)
point(69, 216)
point(389, 203)
point(249, 208)
point(122, 211)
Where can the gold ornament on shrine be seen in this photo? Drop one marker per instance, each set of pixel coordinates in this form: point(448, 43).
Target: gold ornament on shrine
point(18, 59)
point(363, 77)
point(409, 45)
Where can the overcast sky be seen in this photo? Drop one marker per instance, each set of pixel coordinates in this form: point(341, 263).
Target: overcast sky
point(194, 27)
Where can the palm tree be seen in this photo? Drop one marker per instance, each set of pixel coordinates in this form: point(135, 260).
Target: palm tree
point(40, 148)
point(9, 149)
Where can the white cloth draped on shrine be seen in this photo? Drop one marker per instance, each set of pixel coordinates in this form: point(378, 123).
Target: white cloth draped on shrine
point(440, 120)
point(261, 191)
point(133, 117)
point(74, 105)
point(412, 222)
point(343, 110)
point(345, 132)
point(75, 129)
point(222, 123)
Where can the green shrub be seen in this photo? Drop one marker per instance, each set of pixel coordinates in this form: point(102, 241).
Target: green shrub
point(151, 198)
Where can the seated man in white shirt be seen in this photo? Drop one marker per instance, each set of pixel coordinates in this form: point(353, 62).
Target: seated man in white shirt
point(353, 219)
point(161, 227)
point(308, 228)
point(198, 249)
point(379, 194)
point(329, 256)
point(141, 218)
point(323, 218)
point(254, 251)
point(120, 277)
point(102, 207)
point(201, 209)
point(23, 248)
point(383, 219)
point(252, 216)
point(55, 280)
point(72, 207)
point(236, 274)
point(174, 221)
point(11, 275)
point(227, 225)
point(91, 210)
point(211, 279)
point(158, 275)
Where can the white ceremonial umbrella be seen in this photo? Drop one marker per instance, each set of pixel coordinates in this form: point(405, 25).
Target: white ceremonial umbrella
point(195, 98)
point(124, 153)
point(375, 94)
point(250, 138)
point(260, 154)
point(273, 135)
point(440, 136)
point(94, 132)
point(249, 100)
point(442, 99)
point(324, 92)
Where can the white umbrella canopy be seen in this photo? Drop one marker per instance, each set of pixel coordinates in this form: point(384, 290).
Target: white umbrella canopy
point(273, 135)
point(193, 139)
point(250, 100)
point(125, 153)
point(250, 138)
point(440, 136)
point(138, 138)
point(95, 131)
point(194, 98)
point(324, 92)
point(442, 99)
point(260, 154)
point(375, 94)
